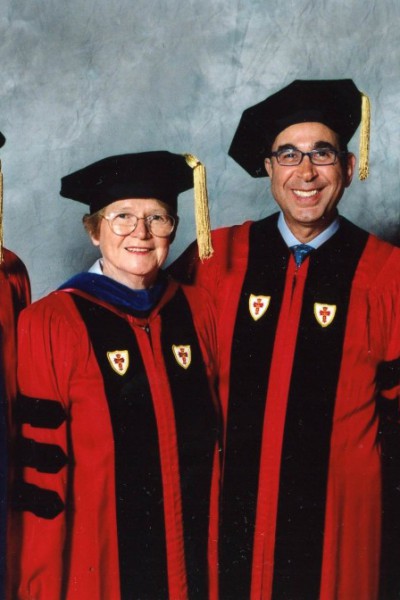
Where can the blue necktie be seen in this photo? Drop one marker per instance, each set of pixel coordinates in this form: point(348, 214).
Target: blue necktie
point(300, 252)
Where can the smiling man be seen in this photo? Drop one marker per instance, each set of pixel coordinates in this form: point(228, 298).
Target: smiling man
point(307, 179)
point(309, 329)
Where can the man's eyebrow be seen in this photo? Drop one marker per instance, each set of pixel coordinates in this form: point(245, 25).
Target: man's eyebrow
point(323, 144)
point(317, 145)
point(286, 147)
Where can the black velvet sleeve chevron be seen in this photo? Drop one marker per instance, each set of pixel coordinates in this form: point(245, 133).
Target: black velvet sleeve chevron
point(37, 412)
point(43, 457)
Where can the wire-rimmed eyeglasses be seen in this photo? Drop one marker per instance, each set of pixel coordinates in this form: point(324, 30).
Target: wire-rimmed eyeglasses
point(291, 157)
point(125, 223)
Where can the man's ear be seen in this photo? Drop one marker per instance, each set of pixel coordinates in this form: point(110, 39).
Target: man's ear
point(268, 166)
point(349, 168)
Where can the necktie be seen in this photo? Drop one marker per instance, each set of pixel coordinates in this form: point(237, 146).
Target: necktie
point(300, 252)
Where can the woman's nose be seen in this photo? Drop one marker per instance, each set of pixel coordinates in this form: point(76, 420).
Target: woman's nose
point(141, 230)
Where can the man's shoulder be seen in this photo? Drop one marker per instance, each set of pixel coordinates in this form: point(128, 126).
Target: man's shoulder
point(230, 234)
point(234, 240)
point(224, 242)
point(12, 264)
point(230, 249)
point(385, 254)
point(379, 266)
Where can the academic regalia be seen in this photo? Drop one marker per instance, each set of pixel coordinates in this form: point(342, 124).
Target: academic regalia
point(307, 353)
point(14, 296)
point(119, 445)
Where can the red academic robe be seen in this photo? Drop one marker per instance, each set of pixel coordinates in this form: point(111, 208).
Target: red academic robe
point(306, 356)
point(14, 296)
point(120, 449)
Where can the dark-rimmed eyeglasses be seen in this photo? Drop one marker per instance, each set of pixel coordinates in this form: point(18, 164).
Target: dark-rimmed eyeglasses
point(291, 157)
point(126, 223)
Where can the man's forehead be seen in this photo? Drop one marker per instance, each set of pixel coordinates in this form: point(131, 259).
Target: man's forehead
point(310, 135)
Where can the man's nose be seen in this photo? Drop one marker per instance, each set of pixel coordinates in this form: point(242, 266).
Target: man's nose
point(306, 169)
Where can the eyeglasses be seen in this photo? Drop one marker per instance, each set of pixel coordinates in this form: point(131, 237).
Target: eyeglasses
point(291, 157)
point(126, 223)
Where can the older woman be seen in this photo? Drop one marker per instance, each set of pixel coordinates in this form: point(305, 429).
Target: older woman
point(119, 419)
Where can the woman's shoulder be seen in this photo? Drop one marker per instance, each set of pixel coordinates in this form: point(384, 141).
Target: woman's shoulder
point(58, 304)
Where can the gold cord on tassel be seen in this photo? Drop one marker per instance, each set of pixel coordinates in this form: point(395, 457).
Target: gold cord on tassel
point(202, 215)
point(363, 165)
point(1, 215)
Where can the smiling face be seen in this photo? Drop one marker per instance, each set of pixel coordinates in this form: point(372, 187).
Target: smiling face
point(135, 259)
point(308, 194)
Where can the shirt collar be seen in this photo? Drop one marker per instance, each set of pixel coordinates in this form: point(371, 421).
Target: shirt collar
point(291, 240)
point(96, 267)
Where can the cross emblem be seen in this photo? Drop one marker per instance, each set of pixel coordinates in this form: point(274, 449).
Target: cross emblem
point(324, 313)
point(183, 355)
point(119, 361)
point(258, 305)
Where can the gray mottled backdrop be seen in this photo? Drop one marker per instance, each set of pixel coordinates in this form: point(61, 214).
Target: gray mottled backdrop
point(84, 79)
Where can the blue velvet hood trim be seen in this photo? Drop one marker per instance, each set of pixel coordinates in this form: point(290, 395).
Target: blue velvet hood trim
point(115, 293)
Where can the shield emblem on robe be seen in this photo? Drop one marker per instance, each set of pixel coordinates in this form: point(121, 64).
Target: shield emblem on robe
point(119, 361)
point(183, 355)
point(324, 313)
point(258, 305)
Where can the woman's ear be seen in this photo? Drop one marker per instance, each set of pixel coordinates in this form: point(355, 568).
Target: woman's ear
point(95, 240)
point(173, 234)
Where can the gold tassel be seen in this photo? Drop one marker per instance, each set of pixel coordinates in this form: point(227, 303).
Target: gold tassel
point(363, 165)
point(1, 215)
point(202, 215)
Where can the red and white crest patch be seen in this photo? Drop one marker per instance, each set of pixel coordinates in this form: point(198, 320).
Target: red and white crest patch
point(119, 361)
point(183, 355)
point(258, 305)
point(324, 313)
